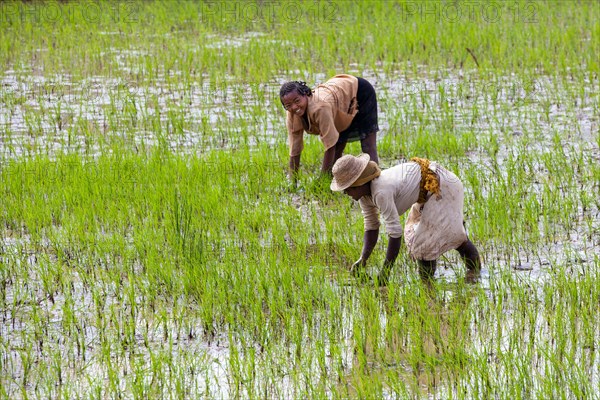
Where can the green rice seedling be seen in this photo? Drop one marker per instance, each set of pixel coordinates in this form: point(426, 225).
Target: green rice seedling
point(152, 244)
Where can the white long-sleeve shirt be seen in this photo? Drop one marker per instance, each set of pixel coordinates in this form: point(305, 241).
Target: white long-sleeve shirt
point(392, 194)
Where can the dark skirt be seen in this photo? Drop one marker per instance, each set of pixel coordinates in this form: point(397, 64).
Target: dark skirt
point(365, 121)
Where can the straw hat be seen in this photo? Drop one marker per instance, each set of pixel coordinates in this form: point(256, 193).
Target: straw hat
point(347, 170)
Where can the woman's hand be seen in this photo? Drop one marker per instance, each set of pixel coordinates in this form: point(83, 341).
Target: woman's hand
point(384, 275)
point(328, 160)
point(294, 165)
point(359, 272)
point(358, 266)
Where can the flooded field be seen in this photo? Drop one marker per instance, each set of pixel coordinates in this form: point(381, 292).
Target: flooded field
point(152, 245)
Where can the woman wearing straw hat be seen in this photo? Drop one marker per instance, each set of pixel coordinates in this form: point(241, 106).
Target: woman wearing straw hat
point(434, 224)
point(343, 109)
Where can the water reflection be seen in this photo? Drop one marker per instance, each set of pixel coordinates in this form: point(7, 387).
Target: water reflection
point(413, 336)
point(194, 112)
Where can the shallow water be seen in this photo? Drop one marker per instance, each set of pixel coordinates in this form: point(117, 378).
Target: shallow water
point(49, 115)
point(208, 361)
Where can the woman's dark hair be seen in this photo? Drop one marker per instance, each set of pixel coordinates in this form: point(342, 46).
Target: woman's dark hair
point(289, 87)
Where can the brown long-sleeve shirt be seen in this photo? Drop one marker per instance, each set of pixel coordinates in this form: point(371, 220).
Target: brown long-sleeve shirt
point(330, 110)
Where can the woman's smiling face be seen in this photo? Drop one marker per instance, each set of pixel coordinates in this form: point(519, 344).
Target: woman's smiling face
point(295, 103)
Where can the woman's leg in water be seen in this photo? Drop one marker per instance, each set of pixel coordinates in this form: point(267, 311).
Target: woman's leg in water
point(427, 269)
point(470, 255)
point(369, 146)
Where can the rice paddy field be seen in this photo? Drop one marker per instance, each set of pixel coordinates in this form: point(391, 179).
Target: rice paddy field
point(152, 246)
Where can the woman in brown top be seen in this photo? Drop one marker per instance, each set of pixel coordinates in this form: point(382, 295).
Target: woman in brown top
point(343, 109)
